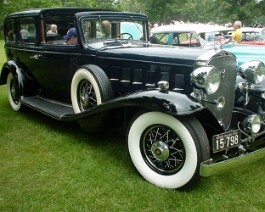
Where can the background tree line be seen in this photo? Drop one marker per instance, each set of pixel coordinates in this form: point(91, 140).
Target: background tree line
point(161, 11)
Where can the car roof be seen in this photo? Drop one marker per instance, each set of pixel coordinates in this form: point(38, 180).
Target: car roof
point(53, 11)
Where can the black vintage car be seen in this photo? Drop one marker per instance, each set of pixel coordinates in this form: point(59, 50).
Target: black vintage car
point(185, 112)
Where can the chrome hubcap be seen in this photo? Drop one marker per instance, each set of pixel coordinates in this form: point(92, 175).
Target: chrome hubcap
point(160, 150)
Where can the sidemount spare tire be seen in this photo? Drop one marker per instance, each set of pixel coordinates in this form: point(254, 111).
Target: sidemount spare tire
point(90, 87)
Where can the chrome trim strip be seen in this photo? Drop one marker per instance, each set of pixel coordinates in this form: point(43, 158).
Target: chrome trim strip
point(207, 169)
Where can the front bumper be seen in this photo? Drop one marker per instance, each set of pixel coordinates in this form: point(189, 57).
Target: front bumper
point(208, 169)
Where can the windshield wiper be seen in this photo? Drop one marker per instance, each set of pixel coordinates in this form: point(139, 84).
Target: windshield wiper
point(111, 43)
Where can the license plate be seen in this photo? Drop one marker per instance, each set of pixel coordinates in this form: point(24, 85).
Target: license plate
point(226, 140)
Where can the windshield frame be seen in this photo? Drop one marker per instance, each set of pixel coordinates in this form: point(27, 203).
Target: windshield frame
point(91, 37)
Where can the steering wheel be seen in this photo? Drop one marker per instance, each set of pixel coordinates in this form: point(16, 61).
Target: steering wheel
point(125, 33)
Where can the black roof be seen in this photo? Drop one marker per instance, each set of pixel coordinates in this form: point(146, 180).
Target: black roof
point(54, 11)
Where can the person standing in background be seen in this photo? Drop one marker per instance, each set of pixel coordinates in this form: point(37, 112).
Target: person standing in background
point(237, 34)
point(152, 38)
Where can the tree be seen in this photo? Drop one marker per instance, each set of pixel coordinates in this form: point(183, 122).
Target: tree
point(219, 11)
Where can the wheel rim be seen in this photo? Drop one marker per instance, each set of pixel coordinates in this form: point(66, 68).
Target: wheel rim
point(162, 149)
point(14, 91)
point(86, 95)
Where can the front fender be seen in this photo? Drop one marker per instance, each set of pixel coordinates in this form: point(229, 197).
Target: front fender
point(170, 102)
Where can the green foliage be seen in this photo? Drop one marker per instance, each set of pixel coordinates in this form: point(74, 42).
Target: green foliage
point(219, 11)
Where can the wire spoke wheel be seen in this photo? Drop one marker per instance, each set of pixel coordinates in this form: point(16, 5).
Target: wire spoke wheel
point(87, 96)
point(168, 151)
point(162, 149)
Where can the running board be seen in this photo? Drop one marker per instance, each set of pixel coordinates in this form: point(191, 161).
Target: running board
point(48, 107)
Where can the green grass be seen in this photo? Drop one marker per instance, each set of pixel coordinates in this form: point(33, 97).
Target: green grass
point(46, 165)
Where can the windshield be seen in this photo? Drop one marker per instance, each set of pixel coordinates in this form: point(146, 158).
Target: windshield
point(113, 31)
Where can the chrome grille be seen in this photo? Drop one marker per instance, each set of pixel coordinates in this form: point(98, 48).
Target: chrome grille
point(226, 64)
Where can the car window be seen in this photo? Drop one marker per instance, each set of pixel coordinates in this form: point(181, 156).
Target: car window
point(10, 35)
point(27, 31)
point(186, 39)
point(163, 37)
point(60, 30)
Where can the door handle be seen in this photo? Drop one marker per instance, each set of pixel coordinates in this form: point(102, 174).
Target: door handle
point(35, 56)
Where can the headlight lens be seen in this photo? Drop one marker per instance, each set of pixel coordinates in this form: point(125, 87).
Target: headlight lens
point(252, 123)
point(253, 71)
point(207, 78)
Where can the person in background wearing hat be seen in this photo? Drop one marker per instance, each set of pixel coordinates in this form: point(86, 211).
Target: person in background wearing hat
point(237, 34)
point(71, 36)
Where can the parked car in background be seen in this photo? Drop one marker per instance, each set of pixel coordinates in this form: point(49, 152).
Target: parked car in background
point(251, 35)
point(184, 111)
point(207, 37)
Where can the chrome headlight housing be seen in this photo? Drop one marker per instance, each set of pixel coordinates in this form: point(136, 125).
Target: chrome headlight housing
point(207, 78)
point(252, 123)
point(253, 71)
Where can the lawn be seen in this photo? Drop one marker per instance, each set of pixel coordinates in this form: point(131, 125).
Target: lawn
point(46, 165)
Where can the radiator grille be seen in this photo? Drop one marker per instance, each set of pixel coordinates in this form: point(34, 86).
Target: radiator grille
point(227, 65)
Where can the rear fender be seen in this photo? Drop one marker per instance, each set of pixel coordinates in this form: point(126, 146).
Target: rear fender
point(13, 67)
point(17, 71)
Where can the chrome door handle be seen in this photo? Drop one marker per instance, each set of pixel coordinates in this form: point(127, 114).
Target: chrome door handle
point(35, 56)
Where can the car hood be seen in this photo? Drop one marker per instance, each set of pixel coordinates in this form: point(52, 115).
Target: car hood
point(245, 52)
point(158, 54)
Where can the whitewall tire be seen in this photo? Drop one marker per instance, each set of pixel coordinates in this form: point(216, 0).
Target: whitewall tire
point(13, 92)
point(167, 151)
point(90, 87)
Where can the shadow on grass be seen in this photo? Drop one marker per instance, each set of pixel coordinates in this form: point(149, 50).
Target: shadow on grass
point(108, 142)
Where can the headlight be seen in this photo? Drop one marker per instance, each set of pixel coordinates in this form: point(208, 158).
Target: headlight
point(207, 78)
point(253, 71)
point(252, 123)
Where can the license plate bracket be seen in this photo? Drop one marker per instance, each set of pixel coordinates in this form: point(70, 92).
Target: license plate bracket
point(226, 140)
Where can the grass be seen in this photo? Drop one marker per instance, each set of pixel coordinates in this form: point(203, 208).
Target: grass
point(46, 165)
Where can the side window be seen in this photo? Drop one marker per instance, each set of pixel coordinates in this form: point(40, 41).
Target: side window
point(163, 37)
point(9, 30)
point(209, 36)
point(60, 30)
point(53, 33)
point(27, 30)
point(181, 39)
point(176, 39)
point(184, 38)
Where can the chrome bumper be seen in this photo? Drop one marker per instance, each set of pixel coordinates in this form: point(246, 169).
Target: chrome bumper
point(208, 169)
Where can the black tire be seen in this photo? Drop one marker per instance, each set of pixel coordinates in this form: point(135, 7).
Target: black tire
point(167, 151)
point(90, 87)
point(13, 92)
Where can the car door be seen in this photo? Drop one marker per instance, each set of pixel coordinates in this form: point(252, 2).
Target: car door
point(27, 49)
